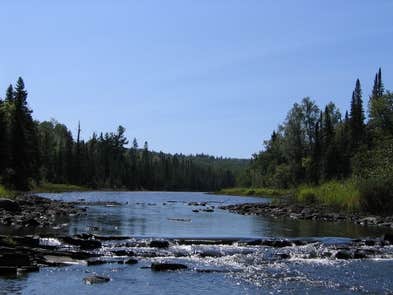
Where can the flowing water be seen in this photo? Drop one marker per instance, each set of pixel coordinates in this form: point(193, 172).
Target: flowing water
point(220, 268)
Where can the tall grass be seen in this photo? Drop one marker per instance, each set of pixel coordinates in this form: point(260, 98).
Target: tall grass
point(5, 193)
point(258, 192)
point(342, 195)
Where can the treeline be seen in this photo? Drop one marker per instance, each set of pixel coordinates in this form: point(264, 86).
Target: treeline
point(317, 145)
point(32, 152)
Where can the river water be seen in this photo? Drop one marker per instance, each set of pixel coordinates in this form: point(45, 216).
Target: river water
point(213, 269)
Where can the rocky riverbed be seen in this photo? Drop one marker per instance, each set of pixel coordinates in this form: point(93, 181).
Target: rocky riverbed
point(308, 212)
point(23, 254)
point(28, 211)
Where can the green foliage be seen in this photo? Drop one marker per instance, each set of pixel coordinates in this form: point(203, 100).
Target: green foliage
point(374, 170)
point(342, 195)
point(5, 193)
point(319, 152)
point(259, 192)
point(40, 154)
point(58, 188)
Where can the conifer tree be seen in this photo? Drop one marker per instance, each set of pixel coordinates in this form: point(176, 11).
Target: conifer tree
point(24, 151)
point(357, 117)
point(3, 138)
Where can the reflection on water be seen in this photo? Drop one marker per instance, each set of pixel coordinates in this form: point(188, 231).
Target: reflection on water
point(168, 214)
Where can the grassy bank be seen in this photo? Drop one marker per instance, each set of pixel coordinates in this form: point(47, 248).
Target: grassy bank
point(257, 192)
point(58, 188)
point(5, 193)
point(341, 195)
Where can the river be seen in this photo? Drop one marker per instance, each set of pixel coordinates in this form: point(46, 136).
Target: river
point(212, 269)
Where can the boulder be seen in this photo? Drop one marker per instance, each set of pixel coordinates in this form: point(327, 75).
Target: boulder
point(9, 205)
point(14, 259)
point(159, 244)
point(167, 266)
point(8, 271)
point(91, 262)
point(344, 254)
point(388, 238)
point(95, 279)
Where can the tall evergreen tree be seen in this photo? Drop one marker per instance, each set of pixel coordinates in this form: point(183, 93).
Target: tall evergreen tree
point(24, 140)
point(3, 138)
point(357, 117)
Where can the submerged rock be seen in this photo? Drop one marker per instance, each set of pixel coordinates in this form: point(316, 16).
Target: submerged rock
point(95, 279)
point(167, 266)
point(159, 244)
point(129, 261)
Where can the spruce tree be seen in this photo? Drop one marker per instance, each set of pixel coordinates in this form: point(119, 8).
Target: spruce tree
point(357, 117)
point(3, 138)
point(24, 144)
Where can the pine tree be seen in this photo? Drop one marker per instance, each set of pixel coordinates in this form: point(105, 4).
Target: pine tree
point(24, 151)
point(357, 117)
point(380, 88)
point(3, 138)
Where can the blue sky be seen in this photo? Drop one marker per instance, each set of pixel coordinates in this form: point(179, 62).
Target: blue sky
point(191, 76)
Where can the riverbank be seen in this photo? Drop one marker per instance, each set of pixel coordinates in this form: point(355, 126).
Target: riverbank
point(29, 211)
point(254, 192)
point(289, 209)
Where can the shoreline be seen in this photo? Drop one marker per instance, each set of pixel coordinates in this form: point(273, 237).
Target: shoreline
point(309, 212)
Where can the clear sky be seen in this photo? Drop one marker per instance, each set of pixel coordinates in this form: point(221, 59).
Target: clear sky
point(191, 76)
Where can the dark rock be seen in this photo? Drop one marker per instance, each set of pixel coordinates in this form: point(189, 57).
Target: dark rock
point(343, 254)
point(129, 261)
point(208, 210)
point(83, 244)
point(27, 269)
point(283, 255)
point(14, 259)
point(254, 243)
point(159, 244)
point(8, 270)
point(29, 241)
point(388, 238)
point(167, 266)
point(195, 210)
point(122, 253)
point(276, 243)
point(92, 262)
point(359, 254)
point(31, 222)
point(369, 242)
point(90, 280)
point(9, 205)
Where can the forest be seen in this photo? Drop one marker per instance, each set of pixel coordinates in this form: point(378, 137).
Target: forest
point(33, 152)
point(320, 146)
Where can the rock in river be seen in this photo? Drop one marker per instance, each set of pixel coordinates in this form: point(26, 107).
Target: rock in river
point(167, 266)
point(159, 244)
point(9, 205)
point(96, 279)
